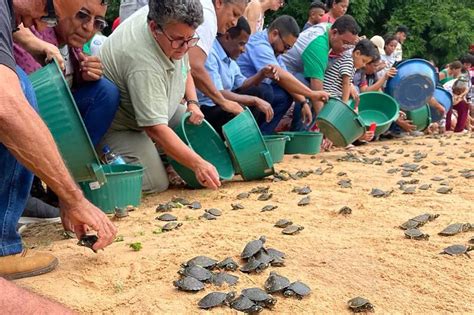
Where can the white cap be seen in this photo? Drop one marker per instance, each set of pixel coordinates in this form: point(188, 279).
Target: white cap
point(379, 42)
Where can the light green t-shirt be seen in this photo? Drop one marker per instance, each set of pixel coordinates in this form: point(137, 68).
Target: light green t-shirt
point(151, 85)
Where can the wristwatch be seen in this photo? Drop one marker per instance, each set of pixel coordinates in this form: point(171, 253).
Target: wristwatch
point(193, 102)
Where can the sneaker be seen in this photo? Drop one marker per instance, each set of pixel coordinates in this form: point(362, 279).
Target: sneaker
point(38, 211)
point(26, 264)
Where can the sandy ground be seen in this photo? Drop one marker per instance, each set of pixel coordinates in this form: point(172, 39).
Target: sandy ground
point(338, 257)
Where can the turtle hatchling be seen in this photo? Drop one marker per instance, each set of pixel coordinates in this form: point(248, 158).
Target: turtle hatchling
point(283, 223)
point(437, 179)
point(269, 208)
point(223, 277)
point(416, 234)
point(167, 217)
point(444, 190)
point(215, 299)
point(171, 226)
point(203, 261)
point(302, 190)
point(379, 193)
point(265, 197)
point(228, 264)
point(253, 247)
point(260, 190)
point(254, 265)
point(260, 297)
point(345, 210)
point(418, 221)
point(360, 304)
point(244, 304)
point(197, 272)
point(471, 241)
point(456, 228)
point(275, 253)
point(189, 284)
point(215, 212)
point(276, 283)
point(297, 289)
point(292, 229)
point(164, 207)
point(196, 205)
point(244, 195)
point(410, 190)
point(345, 183)
point(181, 201)
point(88, 241)
point(425, 187)
point(305, 201)
point(208, 216)
point(456, 250)
point(237, 206)
point(263, 257)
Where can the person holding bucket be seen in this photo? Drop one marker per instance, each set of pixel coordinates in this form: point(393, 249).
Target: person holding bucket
point(147, 58)
point(27, 143)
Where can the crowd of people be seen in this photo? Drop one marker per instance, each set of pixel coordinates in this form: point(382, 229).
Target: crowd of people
point(210, 58)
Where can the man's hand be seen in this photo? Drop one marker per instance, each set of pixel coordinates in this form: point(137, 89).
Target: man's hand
point(271, 72)
point(265, 108)
point(91, 67)
point(231, 107)
point(51, 52)
point(196, 114)
point(306, 115)
point(82, 216)
point(367, 136)
point(206, 174)
point(406, 125)
point(318, 98)
point(391, 73)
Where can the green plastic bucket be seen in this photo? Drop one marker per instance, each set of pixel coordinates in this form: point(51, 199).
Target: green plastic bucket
point(420, 117)
point(378, 108)
point(59, 111)
point(276, 145)
point(303, 142)
point(207, 143)
point(123, 187)
point(247, 147)
point(340, 123)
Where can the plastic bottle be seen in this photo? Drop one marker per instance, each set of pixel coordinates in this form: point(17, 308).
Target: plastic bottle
point(112, 158)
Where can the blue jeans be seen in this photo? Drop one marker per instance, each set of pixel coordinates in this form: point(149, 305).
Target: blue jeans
point(98, 102)
point(281, 103)
point(15, 185)
point(297, 123)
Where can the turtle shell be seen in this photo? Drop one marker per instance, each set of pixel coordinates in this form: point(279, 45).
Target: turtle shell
point(223, 277)
point(258, 295)
point(265, 197)
point(276, 283)
point(214, 299)
point(283, 223)
point(228, 264)
point(253, 264)
point(167, 217)
point(292, 229)
point(88, 241)
point(189, 284)
point(360, 304)
point(455, 228)
point(237, 206)
point(298, 289)
point(263, 257)
point(444, 190)
point(202, 261)
point(345, 210)
point(197, 272)
point(425, 187)
point(253, 247)
point(275, 253)
point(415, 234)
point(214, 212)
point(195, 205)
point(171, 226)
point(208, 216)
point(305, 201)
point(180, 200)
point(244, 195)
point(269, 208)
point(244, 304)
point(455, 250)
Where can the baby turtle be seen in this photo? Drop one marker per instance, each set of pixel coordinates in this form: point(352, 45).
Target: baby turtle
point(406, 174)
point(265, 197)
point(164, 207)
point(302, 190)
point(444, 190)
point(197, 272)
point(263, 257)
point(244, 304)
point(228, 264)
point(379, 193)
point(254, 265)
point(418, 221)
point(455, 228)
point(471, 241)
point(345, 183)
point(360, 304)
point(223, 277)
point(416, 234)
point(345, 210)
point(305, 201)
point(203, 261)
point(445, 183)
point(208, 216)
point(120, 213)
point(253, 247)
point(260, 190)
point(292, 229)
point(260, 297)
point(341, 174)
point(276, 283)
point(167, 217)
point(425, 187)
point(215, 299)
point(456, 250)
point(283, 223)
point(275, 253)
point(195, 205)
point(215, 212)
point(237, 206)
point(189, 284)
point(269, 208)
point(410, 190)
point(88, 241)
point(393, 170)
point(297, 289)
point(171, 226)
point(437, 179)
point(243, 195)
point(182, 201)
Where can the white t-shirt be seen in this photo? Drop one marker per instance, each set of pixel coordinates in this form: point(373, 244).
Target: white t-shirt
point(69, 69)
point(207, 31)
point(96, 43)
point(398, 53)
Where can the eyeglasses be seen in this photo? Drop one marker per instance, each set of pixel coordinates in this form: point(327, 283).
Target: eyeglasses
point(84, 16)
point(286, 46)
point(179, 42)
point(51, 19)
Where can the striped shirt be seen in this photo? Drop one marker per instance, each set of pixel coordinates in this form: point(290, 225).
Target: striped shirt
point(333, 76)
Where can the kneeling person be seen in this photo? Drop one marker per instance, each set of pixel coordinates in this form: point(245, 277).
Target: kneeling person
point(147, 59)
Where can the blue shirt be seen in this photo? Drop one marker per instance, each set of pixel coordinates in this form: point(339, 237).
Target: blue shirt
point(224, 72)
point(258, 54)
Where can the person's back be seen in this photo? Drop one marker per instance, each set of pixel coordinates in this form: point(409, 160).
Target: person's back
point(129, 7)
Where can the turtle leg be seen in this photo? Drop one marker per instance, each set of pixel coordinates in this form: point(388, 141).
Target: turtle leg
point(467, 254)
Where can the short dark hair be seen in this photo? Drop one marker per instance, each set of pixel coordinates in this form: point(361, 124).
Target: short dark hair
point(468, 58)
point(402, 29)
point(286, 25)
point(318, 5)
point(367, 48)
point(455, 65)
point(331, 3)
point(346, 23)
point(389, 38)
point(242, 25)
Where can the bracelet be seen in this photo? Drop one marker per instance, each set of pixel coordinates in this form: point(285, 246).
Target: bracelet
point(193, 102)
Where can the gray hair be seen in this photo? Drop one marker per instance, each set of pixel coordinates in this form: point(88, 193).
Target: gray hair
point(188, 12)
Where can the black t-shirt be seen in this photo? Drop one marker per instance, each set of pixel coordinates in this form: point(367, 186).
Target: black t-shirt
point(6, 25)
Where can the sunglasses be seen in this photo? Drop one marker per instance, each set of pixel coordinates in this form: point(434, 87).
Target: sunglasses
point(286, 46)
point(178, 43)
point(84, 16)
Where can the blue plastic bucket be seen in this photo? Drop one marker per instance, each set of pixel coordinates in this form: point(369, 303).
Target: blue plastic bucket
point(444, 98)
point(413, 85)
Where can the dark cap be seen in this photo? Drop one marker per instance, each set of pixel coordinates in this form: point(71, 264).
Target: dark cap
point(402, 29)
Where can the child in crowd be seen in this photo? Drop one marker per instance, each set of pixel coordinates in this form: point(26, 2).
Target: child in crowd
point(316, 11)
point(388, 57)
point(460, 105)
point(337, 8)
point(451, 72)
point(368, 79)
point(255, 12)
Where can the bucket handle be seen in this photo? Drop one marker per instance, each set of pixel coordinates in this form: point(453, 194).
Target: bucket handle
point(359, 121)
point(268, 158)
point(99, 173)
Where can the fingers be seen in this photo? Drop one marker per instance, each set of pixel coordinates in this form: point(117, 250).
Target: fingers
point(106, 232)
